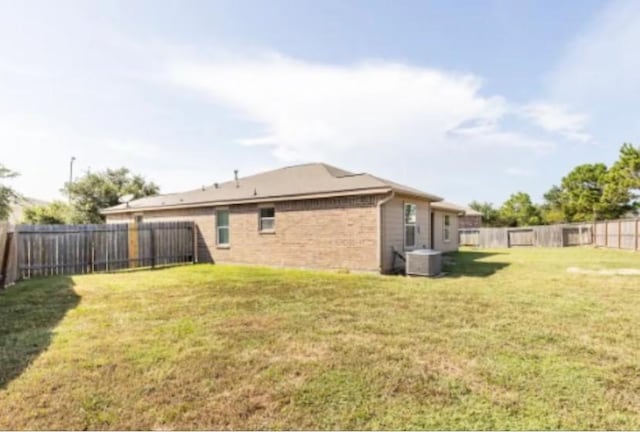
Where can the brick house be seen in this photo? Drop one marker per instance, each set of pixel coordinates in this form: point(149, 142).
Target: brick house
point(312, 215)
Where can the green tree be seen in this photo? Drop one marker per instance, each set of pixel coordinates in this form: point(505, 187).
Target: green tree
point(622, 182)
point(57, 212)
point(518, 210)
point(583, 194)
point(490, 215)
point(8, 195)
point(96, 191)
point(551, 210)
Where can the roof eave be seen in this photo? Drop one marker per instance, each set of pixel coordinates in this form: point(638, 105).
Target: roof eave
point(251, 200)
point(421, 195)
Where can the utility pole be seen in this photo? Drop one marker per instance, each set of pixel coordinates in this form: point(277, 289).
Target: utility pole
point(73, 158)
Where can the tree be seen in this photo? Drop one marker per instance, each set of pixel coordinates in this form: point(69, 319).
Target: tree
point(583, 194)
point(622, 182)
point(551, 210)
point(490, 216)
point(8, 196)
point(518, 210)
point(96, 191)
point(57, 212)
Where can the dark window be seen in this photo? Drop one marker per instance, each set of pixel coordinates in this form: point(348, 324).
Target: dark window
point(222, 227)
point(267, 219)
point(410, 211)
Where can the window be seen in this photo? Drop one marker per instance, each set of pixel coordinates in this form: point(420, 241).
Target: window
point(409, 225)
point(267, 222)
point(222, 227)
point(447, 228)
point(138, 218)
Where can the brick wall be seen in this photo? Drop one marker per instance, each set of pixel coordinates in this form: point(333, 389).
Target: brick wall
point(323, 233)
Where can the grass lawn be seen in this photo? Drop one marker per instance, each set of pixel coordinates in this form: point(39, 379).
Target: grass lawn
point(508, 340)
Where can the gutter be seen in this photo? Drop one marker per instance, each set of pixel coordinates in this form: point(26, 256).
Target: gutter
point(379, 208)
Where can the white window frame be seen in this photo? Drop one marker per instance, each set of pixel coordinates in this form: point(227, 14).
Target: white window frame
point(413, 224)
point(446, 228)
point(219, 227)
point(263, 218)
point(140, 216)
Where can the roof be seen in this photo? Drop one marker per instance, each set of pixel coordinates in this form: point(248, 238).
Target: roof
point(468, 211)
point(448, 206)
point(314, 180)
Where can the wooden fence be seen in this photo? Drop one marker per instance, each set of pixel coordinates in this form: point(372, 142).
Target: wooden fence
point(44, 250)
point(618, 234)
point(8, 255)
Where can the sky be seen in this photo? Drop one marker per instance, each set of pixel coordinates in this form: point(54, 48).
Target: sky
point(469, 100)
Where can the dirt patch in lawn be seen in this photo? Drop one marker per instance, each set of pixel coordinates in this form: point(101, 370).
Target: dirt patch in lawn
point(605, 272)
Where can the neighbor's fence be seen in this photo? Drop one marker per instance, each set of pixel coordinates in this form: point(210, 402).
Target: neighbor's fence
point(618, 234)
point(44, 250)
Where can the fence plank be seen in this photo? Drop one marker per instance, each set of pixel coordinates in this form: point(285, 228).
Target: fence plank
point(78, 249)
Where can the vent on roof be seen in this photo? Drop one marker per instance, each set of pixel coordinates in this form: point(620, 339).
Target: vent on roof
point(215, 185)
point(235, 174)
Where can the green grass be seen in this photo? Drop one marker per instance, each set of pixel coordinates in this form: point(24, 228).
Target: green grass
point(508, 340)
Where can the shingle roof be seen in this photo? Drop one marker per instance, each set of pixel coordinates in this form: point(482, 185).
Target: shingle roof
point(444, 205)
point(468, 211)
point(294, 182)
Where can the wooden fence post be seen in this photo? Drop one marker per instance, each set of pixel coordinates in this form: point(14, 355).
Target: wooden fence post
point(133, 244)
point(5, 260)
point(153, 246)
point(195, 242)
point(619, 234)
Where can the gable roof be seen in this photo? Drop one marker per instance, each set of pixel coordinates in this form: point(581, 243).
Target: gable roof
point(315, 180)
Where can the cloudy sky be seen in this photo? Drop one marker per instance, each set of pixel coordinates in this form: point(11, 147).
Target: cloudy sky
point(466, 99)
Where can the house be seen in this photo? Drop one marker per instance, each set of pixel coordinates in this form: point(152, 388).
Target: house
point(312, 215)
point(471, 218)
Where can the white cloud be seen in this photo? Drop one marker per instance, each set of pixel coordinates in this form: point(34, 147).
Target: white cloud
point(313, 111)
point(558, 119)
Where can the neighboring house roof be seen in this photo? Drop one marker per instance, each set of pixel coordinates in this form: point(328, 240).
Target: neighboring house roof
point(315, 180)
point(17, 209)
point(471, 212)
point(448, 206)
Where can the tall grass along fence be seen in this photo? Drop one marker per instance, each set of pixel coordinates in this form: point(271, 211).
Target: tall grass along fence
point(45, 250)
point(617, 234)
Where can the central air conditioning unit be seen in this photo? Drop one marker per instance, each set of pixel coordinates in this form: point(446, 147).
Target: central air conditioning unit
point(424, 262)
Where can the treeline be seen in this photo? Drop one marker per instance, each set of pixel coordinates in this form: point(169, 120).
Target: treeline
point(589, 192)
point(87, 195)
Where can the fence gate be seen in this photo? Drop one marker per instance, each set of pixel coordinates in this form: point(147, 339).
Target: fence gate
point(45, 250)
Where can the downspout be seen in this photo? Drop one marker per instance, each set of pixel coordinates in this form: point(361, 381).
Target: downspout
point(379, 207)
